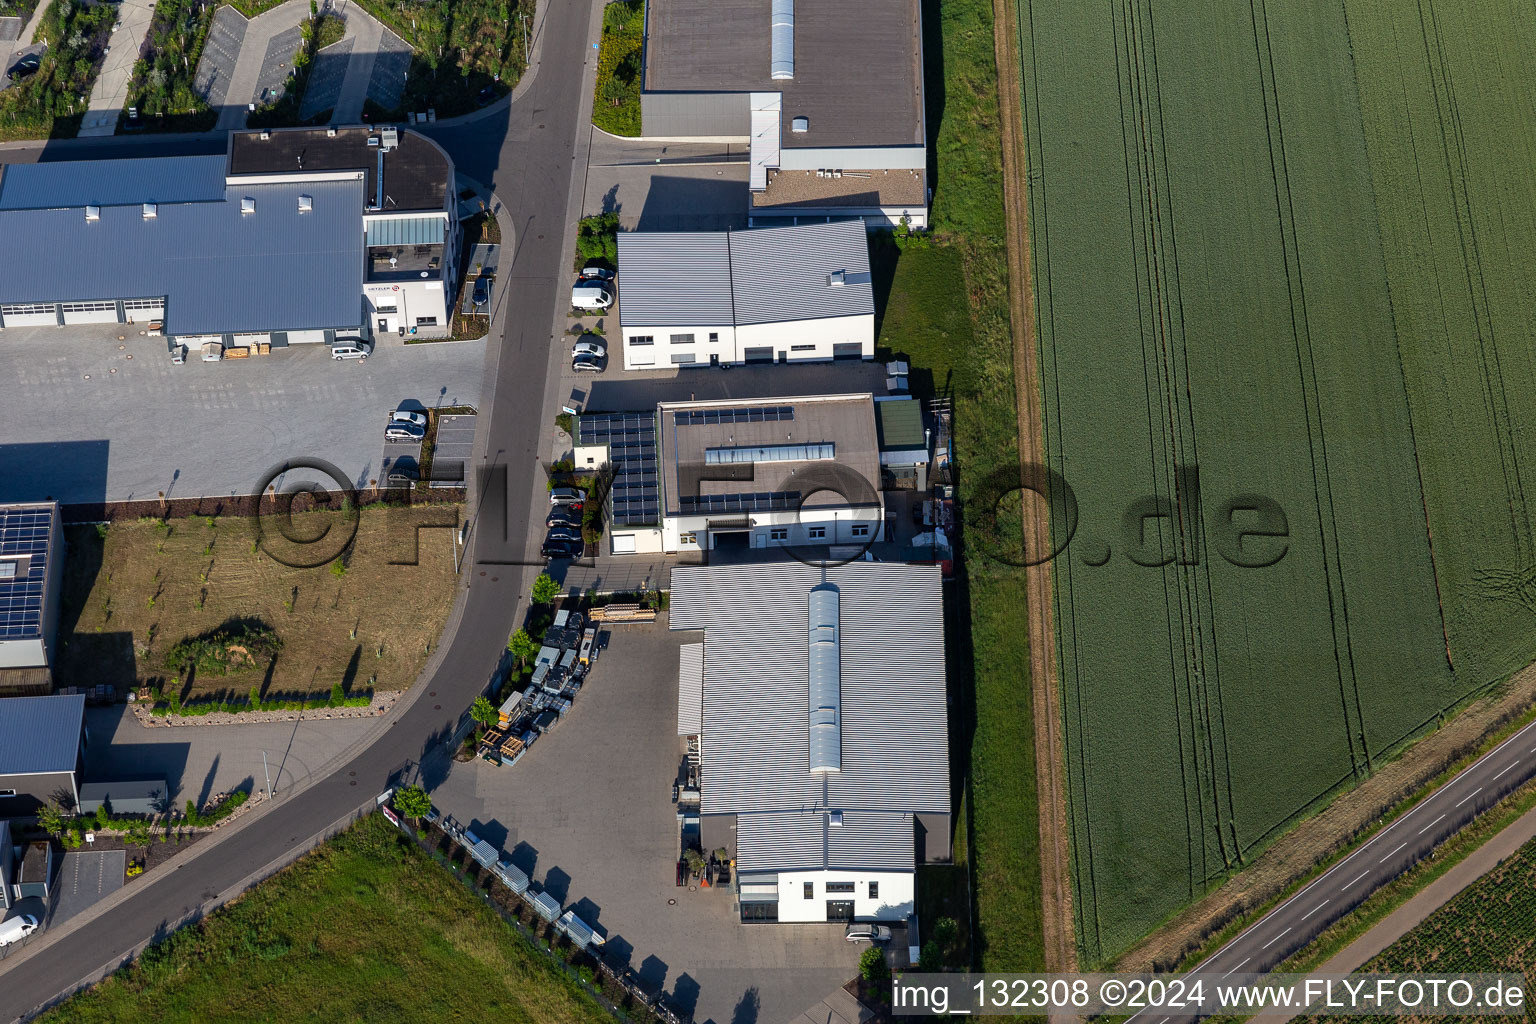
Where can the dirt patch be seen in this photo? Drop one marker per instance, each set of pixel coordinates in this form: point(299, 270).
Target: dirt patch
point(136, 588)
point(1050, 755)
point(1295, 854)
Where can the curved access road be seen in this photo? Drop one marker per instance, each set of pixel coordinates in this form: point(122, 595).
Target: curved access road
point(529, 159)
point(1266, 943)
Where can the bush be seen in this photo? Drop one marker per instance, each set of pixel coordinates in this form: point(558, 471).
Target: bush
point(412, 801)
point(522, 646)
point(597, 239)
point(545, 589)
point(931, 958)
point(872, 965)
point(239, 647)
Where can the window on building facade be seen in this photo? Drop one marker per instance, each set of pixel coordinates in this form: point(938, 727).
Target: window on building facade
point(143, 303)
point(802, 348)
point(817, 532)
point(861, 531)
point(839, 887)
point(426, 321)
point(7, 792)
point(88, 307)
point(782, 534)
point(689, 538)
point(683, 357)
point(810, 890)
point(768, 910)
point(874, 890)
point(682, 339)
point(642, 339)
point(714, 337)
point(389, 308)
point(26, 309)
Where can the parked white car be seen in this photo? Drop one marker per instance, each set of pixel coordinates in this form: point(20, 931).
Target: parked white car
point(351, 350)
point(589, 348)
point(411, 416)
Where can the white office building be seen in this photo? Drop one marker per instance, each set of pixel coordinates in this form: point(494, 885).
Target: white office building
point(764, 295)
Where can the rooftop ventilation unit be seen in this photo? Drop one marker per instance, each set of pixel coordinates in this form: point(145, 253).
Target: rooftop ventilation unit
point(330, 131)
point(306, 203)
point(265, 136)
point(783, 40)
point(825, 690)
point(373, 140)
point(150, 211)
point(800, 125)
point(837, 279)
point(835, 819)
point(247, 205)
point(391, 138)
point(93, 213)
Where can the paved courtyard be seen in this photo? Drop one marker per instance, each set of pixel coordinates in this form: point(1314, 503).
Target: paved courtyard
point(588, 814)
point(198, 761)
point(92, 418)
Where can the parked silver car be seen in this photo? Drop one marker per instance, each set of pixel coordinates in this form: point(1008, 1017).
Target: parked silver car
point(861, 931)
point(589, 347)
point(351, 350)
point(409, 416)
point(404, 432)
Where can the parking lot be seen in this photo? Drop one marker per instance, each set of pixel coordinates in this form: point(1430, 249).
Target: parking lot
point(93, 418)
point(588, 814)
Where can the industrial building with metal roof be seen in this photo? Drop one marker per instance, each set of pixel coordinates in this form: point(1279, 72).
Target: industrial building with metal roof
point(41, 751)
point(823, 731)
point(31, 578)
point(792, 293)
point(830, 97)
point(292, 236)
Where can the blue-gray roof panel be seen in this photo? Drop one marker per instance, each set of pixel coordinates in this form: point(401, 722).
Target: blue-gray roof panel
point(674, 278)
point(221, 270)
point(787, 273)
point(79, 183)
point(40, 734)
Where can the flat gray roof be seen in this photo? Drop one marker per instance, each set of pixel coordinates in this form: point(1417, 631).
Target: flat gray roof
point(40, 734)
point(221, 270)
point(858, 68)
point(416, 173)
point(894, 714)
point(754, 276)
point(846, 422)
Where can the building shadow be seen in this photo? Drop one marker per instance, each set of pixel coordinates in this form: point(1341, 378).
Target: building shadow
point(675, 203)
point(73, 473)
point(524, 857)
point(557, 883)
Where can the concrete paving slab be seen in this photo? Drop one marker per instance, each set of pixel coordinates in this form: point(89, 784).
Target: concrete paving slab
point(84, 878)
point(110, 93)
point(97, 419)
point(668, 187)
point(10, 29)
point(221, 51)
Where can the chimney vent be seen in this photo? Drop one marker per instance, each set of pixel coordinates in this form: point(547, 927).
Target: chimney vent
point(93, 213)
point(150, 211)
point(800, 125)
point(306, 203)
point(247, 205)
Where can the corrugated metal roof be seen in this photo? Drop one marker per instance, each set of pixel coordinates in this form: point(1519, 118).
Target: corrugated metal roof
point(765, 138)
point(40, 734)
point(407, 231)
point(807, 841)
point(222, 271)
point(669, 278)
point(825, 695)
point(690, 689)
point(895, 741)
point(783, 273)
point(76, 183)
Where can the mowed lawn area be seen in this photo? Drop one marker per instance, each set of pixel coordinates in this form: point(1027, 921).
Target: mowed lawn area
point(1220, 335)
point(135, 589)
point(945, 310)
point(366, 928)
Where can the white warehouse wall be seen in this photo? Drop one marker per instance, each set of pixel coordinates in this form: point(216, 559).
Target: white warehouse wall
point(659, 352)
point(838, 521)
point(896, 901)
point(798, 340)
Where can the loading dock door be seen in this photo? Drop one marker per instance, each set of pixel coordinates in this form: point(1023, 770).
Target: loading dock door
point(758, 355)
point(90, 312)
point(38, 314)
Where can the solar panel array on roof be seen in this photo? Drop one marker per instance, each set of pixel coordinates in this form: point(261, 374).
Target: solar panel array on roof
point(23, 540)
point(754, 414)
point(766, 501)
point(635, 493)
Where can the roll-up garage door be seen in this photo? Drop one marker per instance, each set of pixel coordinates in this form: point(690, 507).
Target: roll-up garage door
point(142, 311)
point(306, 337)
point(104, 312)
point(34, 314)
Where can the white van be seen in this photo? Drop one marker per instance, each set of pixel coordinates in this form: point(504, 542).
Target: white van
point(590, 294)
point(17, 928)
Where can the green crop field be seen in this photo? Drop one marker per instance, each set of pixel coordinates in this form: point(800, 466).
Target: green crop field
point(1489, 927)
point(1214, 290)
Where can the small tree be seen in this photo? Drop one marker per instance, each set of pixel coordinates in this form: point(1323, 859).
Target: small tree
point(51, 819)
point(483, 711)
point(931, 959)
point(545, 589)
point(695, 861)
point(944, 931)
point(872, 965)
point(521, 646)
point(413, 802)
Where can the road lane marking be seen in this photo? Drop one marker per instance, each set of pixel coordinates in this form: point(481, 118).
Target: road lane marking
point(1472, 794)
point(1399, 847)
point(1431, 825)
point(1357, 878)
point(1314, 910)
point(1495, 778)
point(1238, 967)
point(1274, 940)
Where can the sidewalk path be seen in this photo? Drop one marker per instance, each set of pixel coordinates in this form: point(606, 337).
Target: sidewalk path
point(259, 33)
point(110, 93)
point(1433, 896)
point(367, 35)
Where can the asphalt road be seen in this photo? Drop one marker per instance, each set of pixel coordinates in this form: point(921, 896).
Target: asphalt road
point(1269, 941)
point(528, 156)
